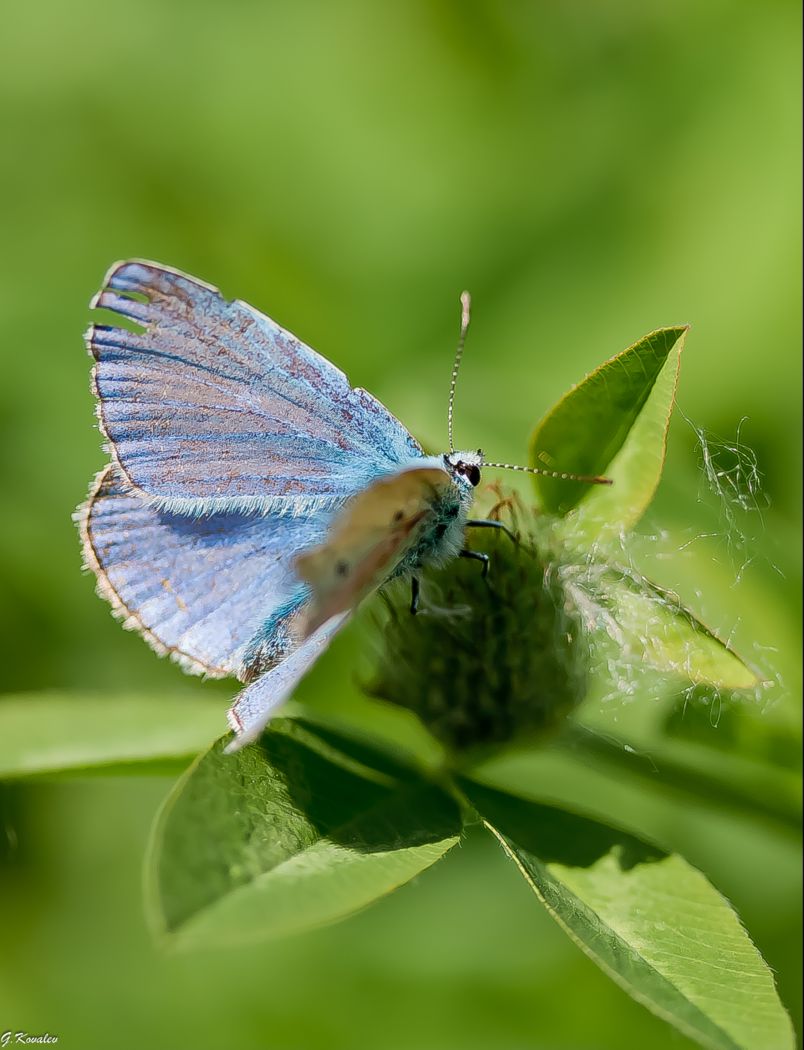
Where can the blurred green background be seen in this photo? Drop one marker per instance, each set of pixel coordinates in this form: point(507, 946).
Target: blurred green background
point(590, 172)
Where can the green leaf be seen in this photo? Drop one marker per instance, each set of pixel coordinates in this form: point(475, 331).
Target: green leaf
point(653, 626)
point(285, 835)
point(652, 922)
point(375, 753)
point(47, 733)
point(615, 423)
point(713, 780)
point(769, 735)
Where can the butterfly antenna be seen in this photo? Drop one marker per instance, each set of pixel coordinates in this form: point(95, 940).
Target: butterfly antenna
point(560, 475)
point(466, 307)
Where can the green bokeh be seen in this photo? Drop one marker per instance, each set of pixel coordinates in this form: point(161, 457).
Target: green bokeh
point(591, 172)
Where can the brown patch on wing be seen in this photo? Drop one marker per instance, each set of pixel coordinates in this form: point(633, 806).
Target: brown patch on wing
point(366, 541)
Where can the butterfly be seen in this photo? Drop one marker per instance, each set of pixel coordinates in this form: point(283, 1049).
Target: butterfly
point(253, 497)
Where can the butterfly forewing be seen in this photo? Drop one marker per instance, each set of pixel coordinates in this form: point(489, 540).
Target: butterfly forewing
point(213, 406)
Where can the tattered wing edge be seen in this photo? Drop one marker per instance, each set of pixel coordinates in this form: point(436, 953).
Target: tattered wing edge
point(197, 507)
point(89, 341)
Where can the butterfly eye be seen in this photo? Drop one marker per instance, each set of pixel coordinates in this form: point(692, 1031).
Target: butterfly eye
point(473, 474)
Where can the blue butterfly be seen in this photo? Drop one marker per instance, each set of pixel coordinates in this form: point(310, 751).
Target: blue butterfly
point(253, 496)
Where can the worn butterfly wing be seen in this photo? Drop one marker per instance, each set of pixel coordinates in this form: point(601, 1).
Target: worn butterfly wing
point(253, 708)
point(367, 540)
point(198, 589)
point(233, 445)
point(212, 406)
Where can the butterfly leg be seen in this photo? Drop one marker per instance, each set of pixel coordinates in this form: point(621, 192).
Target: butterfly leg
point(488, 523)
point(477, 556)
point(414, 595)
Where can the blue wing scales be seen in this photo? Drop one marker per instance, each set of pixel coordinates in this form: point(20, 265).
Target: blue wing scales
point(198, 589)
point(212, 406)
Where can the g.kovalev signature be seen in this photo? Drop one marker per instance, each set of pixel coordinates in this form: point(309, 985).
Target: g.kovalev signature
point(26, 1039)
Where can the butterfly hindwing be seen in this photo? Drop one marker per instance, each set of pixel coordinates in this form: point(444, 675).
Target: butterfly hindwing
point(367, 540)
point(198, 589)
point(213, 406)
point(253, 708)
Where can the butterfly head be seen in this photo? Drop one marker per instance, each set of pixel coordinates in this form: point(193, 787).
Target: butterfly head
point(464, 467)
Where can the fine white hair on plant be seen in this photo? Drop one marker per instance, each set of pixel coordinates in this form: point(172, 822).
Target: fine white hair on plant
point(731, 478)
point(737, 483)
point(627, 638)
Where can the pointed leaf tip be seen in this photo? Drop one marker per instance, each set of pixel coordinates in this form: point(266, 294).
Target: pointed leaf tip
point(612, 425)
point(650, 920)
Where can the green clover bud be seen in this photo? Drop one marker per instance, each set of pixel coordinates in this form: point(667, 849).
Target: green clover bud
point(488, 658)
